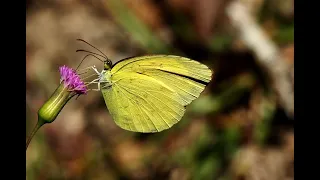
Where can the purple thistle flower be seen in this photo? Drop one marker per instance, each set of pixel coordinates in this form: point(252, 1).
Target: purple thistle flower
point(72, 80)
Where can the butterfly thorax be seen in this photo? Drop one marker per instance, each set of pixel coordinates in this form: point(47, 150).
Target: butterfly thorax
point(105, 79)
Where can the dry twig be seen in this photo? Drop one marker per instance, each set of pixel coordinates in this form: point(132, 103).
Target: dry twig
point(267, 53)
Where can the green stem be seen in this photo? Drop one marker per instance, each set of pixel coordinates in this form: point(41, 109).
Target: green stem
point(35, 129)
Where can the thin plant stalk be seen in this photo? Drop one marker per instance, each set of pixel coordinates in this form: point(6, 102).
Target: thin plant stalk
point(35, 129)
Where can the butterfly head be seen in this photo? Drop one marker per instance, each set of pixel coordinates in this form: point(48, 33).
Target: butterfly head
point(107, 64)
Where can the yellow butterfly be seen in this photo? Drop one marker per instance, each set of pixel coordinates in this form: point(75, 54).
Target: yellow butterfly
point(150, 93)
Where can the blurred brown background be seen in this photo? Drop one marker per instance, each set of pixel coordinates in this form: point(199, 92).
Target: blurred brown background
point(240, 128)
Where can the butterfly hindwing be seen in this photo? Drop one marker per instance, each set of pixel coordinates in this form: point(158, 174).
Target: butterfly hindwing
point(141, 107)
point(149, 93)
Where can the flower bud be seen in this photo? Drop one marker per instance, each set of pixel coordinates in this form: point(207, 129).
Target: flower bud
point(52, 107)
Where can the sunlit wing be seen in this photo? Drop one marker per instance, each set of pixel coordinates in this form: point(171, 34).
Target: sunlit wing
point(149, 93)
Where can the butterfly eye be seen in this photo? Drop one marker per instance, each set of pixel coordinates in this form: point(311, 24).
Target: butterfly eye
point(107, 64)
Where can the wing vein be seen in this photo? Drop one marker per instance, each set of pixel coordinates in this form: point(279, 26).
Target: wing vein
point(155, 107)
point(129, 99)
point(162, 103)
point(141, 104)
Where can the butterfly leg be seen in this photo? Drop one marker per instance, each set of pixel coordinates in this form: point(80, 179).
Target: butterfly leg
point(106, 86)
point(86, 70)
point(98, 89)
point(93, 81)
point(95, 70)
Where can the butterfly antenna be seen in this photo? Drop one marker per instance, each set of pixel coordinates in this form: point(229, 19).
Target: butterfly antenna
point(82, 50)
point(86, 57)
point(93, 47)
